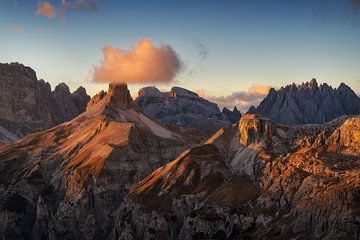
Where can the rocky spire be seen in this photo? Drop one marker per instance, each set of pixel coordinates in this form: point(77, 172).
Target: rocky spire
point(119, 95)
point(313, 83)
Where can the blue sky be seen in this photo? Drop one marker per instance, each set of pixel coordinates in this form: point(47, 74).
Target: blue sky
point(226, 46)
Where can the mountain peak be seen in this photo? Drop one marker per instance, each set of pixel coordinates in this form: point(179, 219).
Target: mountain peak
point(80, 90)
point(344, 87)
point(119, 95)
point(62, 88)
point(313, 82)
point(150, 91)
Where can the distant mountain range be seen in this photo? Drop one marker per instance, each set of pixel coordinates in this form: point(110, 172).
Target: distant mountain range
point(28, 105)
point(308, 103)
point(144, 168)
point(115, 173)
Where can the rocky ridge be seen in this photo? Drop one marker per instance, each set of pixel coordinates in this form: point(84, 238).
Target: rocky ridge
point(308, 103)
point(28, 105)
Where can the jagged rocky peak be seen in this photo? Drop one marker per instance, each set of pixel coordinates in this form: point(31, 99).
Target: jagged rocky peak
point(308, 103)
point(311, 84)
point(230, 116)
point(150, 91)
point(177, 92)
point(95, 99)
point(80, 93)
point(252, 110)
point(344, 88)
point(119, 95)
point(16, 69)
point(62, 89)
point(235, 110)
point(28, 105)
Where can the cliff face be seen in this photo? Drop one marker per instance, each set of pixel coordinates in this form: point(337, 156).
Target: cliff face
point(28, 105)
point(254, 180)
point(308, 103)
point(67, 182)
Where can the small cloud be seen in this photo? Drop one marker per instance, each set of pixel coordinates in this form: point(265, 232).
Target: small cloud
point(45, 9)
point(79, 4)
point(241, 99)
point(18, 29)
point(144, 63)
point(259, 90)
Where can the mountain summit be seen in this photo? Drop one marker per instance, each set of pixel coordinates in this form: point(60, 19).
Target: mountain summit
point(119, 95)
point(308, 103)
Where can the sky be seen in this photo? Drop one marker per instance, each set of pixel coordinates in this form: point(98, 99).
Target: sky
point(226, 48)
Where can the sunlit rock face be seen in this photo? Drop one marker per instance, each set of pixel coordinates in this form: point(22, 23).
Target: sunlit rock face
point(183, 108)
point(68, 181)
point(95, 99)
point(253, 180)
point(119, 95)
point(308, 103)
point(28, 105)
